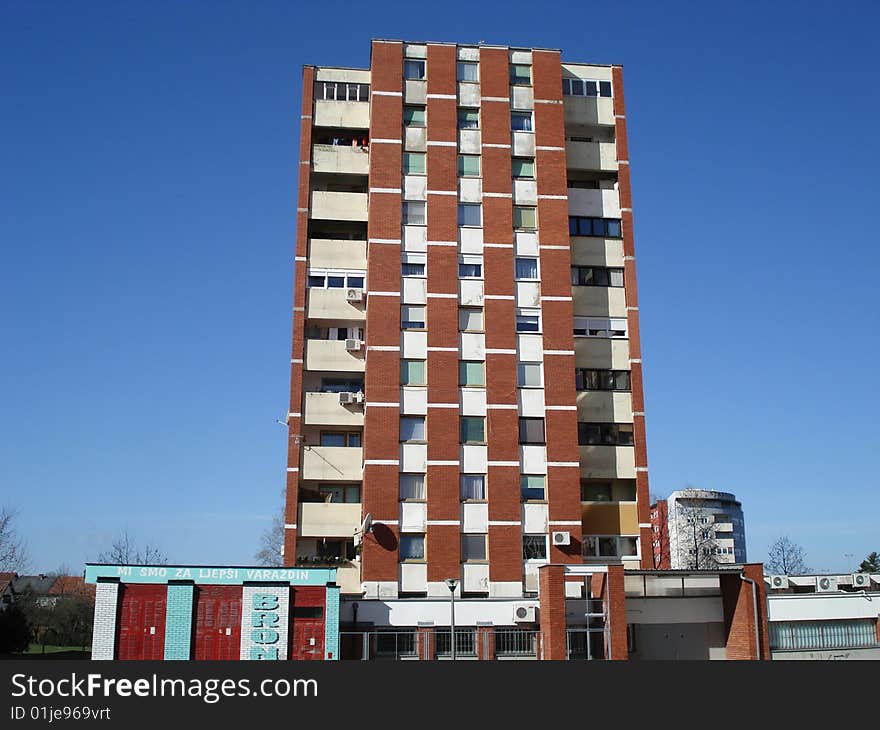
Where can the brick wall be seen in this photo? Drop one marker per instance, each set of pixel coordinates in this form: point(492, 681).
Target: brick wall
point(104, 626)
point(739, 614)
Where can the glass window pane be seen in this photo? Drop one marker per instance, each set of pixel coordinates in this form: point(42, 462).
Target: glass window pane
point(414, 213)
point(605, 88)
point(412, 372)
point(590, 88)
point(622, 380)
point(473, 429)
point(577, 87)
point(589, 434)
point(625, 434)
point(534, 547)
point(413, 69)
point(473, 486)
point(411, 269)
point(316, 281)
point(412, 317)
point(336, 282)
point(528, 375)
point(469, 165)
point(526, 268)
point(468, 119)
point(532, 486)
point(629, 546)
point(412, 547)
point(521, 121)
point(332, 439)
point(613, 228)
point(414, 116)
point(469, 215)
point(470, 320)
point(520, 74)
point(470, 271)
point(531, 431)
point(364, 92)
point(412, 428)
point(467, 71)
point(615, 277)
point(471, 373)
point(523, 168)
point(608, 547)
point(527, 323)
point(591, 546)
point(596, 492)
point(414, 163)
point(412, 486)
point(524, 218)
point(473, 547)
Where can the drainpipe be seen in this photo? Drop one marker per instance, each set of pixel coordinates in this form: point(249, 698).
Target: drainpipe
point(743, 577)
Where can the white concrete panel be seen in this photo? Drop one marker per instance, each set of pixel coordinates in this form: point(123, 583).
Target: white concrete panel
point(607, 462)
point(333, 463)
point(413, 516)
point(474, 459)
point(573, 590)
point(333, 205)
point(346, 114)
point(403, 612)
point(343, 159)
point(506, 589)
point(534, 518)
point(596, 352)
point(415, 92)
point(415, 50)
point(604, 407)
point(469, 141)
point(522, 97)
point(531, 402)
point(415, 238)
point(414, 345)
point(586, 71)
point(530, 348)
point(378, 589)
point(470, 292)
point(332, 304)
point(470, 190)
point(596, 203)
point(526, 243)
point(414, 457)
point(525, 192)
point(521, 57)
point(591, 156)
point(821, 607)
point(352, 75)
point(332, 355)
point(472, 345)
point(475, 577)
point(415, 139)
point(528, 294)
point(413, 290)
point(415, 187)
point(523, 144)
point(468, 54)
point(672, 610)
point(413, 577)
point(588, 110)
point(328, 519)
point(533, 459)
point(473, 401)
point(468, 94)
point(597, 301)
point(475, 517)
point(470, 240)
point(337, 254)
point(324, 409)
point(596, 251)
point(413, 400)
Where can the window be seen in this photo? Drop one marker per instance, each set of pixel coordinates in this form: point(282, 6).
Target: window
point(472, 429)
point(469, 214)
point(470, 320)
point(521, 121)
point(412, 486)
point(412, 317)
point(534, 547)
point(341, 91)
point(528, 375)
point(524, 218)
point(605, 434)
point(414, 213)
point(842, 634)
point(602, 380)
point(595, 491)
point(532, 486)
point(527, 323)
point(610, 546)
point(413, 69)
point(412, 372)
point(465, 642)
point(531, 431)
point(351, 439)
point(473, 486)
point(579, 225)
point(411, 268)
point(412, 547)
point(469, 165)
point(470, 270)
point(322, 279)
point(465, 71)
point(412, 428)
point(526, 269)
point(523, 168)
point(413, 116)
point(468, 119)
point(341, 385)
point(473, 548)
point(471, 373)
point(341, 493)
point(520, 74)
point(596, 276)
point(581, 87)
point(414, 163)
point(599, 327)
point(334, 333)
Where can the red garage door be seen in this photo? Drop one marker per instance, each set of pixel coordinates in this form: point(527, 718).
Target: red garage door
point(218, 622)
point(306, 639)
point(142, 622)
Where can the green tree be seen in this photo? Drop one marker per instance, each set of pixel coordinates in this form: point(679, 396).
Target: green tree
point(871, 564)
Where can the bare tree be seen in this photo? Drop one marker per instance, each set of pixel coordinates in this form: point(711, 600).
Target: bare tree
point(13, 548)
point(785, 557)
point(271, 552)
point(125, 551)
point(696, 539)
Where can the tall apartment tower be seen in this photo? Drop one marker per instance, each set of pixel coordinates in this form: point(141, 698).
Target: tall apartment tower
point(466, 372)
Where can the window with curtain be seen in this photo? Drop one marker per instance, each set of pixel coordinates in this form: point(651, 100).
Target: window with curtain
point(412, 372)
point(413, 69)
point(469, 165)
point(412, 486)
point(471, 373)
point(520, 74)
point(413, 116)
point(521, 121)
point(465, 71)
point(534, 547)
point(532, 486)
point(469, 214)
point(411, 268)
point(523, 168)
point(412, 547)
point(468, 119)
point(470, 320)
point(527, 269)
point(412, 428)
point(472, 429)
point(414, 163)
point(470, 271)
point(841, 634)
point(414, 213)
point(531, 431)
point(473, 486)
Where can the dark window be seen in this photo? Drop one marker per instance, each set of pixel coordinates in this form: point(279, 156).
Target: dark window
point(596, 276)
point(308, 612)
point(531, 431)
point(602, 379)
point(534, 547)
point(583, 226)
point(605, 434)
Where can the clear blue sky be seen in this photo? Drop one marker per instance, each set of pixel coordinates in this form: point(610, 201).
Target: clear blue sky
point(147, 195)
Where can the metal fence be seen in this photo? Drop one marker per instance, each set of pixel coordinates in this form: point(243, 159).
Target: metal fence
point(465, 642)
point(516, 643)
point(796, 635)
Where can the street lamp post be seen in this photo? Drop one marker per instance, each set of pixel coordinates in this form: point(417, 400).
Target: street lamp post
point(452, 584)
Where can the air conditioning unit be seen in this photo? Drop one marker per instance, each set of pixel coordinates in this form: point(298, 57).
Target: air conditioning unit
point(354, 295)
point(778, 581)
point(358, 397)
point(826, 583)
point(524, 613)
point(352, 345)
point(861, 580)
point(562, 538)
point(346, 399)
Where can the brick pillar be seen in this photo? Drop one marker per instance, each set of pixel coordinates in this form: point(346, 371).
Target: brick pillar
point(104, 627)
point(615, 601)
point(551, 593)
point(179, 620)
point(485, 643)
point(426, 643)
point(331, 624)
point(739, 614)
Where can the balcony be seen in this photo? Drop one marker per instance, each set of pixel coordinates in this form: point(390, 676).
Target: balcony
point(333, 463)
point(333, 304)
point(609, 518)
point(334, 253)
point(332, 356)
point(599, 353)
point(324, 409)
point(338, 206)
point(607, 462)
point(603, 406)
point(339, 158)
point(348, 578)
point(589, 110)
point(344, 114)
point(595, 203)
point(591, 156)
point(329, 519)
point(598, 301)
